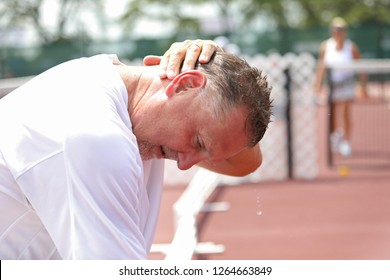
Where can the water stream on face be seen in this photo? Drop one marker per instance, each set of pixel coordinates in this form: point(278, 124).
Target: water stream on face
point(258, 208)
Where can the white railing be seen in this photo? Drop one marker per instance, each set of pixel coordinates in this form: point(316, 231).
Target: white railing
point(185, 211)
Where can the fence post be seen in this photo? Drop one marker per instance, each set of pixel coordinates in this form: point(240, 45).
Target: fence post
point(290, 161)
point(330, 116)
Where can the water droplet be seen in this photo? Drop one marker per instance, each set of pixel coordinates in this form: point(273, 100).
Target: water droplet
point(258, 211)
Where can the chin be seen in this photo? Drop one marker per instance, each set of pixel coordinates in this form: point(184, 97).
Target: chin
point(148, 152)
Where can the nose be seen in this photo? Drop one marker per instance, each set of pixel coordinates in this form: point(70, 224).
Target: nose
point(187, 160)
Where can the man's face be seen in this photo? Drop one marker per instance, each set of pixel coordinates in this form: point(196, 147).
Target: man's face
point(188, 133)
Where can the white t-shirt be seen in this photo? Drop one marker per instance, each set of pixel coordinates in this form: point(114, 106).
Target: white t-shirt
point(72, 182)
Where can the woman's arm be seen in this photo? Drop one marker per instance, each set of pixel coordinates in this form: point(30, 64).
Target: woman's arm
point(362, 76)
point(320, 68)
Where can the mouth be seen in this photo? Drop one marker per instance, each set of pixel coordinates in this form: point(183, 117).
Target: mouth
point(168, 153)
point(163, 155)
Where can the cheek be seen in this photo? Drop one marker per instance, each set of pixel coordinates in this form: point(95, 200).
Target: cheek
point(178, 133)
point(163, 133)
point(179, 139)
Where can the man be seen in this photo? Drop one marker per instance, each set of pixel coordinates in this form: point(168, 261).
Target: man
point(81, 148)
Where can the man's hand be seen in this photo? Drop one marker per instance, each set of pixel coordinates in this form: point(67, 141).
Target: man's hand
point(186, 53)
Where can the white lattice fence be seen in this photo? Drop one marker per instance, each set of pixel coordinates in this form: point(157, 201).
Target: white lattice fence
point(304, 113)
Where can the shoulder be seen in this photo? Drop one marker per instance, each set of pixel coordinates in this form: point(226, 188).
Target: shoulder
point(323, 47)
point(350, 44)
point(329, 41)
point(355, 50)
point(107, 150)
point(326, 44)
point(351, 47)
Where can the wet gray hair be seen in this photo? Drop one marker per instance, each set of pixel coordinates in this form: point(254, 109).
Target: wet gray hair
point(233, 83)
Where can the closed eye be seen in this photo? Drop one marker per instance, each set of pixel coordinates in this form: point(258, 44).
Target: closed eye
point(199, 144)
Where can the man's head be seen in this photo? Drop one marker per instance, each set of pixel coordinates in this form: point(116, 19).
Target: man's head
point(233, 83)
point(208, 114)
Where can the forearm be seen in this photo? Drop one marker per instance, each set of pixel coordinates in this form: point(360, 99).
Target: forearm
point(319, 76)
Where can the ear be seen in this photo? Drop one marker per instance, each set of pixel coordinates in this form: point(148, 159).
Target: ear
point(186, 80)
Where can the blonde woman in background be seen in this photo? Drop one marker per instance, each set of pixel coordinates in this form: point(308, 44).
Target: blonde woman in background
point(339, 50)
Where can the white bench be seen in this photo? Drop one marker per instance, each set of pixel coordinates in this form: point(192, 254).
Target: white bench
point(185, 210)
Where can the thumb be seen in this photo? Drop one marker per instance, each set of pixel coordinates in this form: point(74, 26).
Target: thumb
point(151, 60)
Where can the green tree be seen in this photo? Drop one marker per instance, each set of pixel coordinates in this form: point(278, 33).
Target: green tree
point(279, 13)
point(320, 12)
point(30, 13)
point(169, 12)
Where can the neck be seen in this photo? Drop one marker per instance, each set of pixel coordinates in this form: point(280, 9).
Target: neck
point(144, 86)
point(138, 83)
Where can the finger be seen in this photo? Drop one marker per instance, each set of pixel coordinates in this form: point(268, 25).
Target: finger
point(186, 53)
point(164, 61)
point(151, 60)
point(174, 58)
point(208, 49)
point(200, 50)
point(192, 55)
